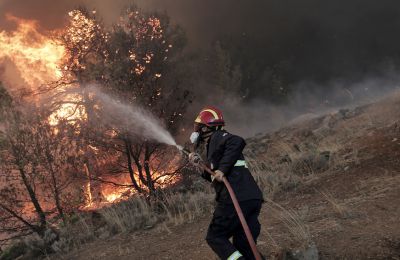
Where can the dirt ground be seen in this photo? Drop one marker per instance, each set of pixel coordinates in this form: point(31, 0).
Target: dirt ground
point(349, 213)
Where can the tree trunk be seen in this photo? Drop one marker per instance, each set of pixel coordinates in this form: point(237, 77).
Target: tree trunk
point(150, 183)
point(34, 200)
point(56, 192)
point(131, 172)
point(136, 158)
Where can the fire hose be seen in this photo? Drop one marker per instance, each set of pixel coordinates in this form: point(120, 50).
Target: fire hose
point(239, 212)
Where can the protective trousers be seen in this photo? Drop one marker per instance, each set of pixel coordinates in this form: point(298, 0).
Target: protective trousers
point(226, 224)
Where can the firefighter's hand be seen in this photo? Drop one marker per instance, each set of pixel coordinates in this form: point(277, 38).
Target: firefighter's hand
point(194, 158)
point(218, 176)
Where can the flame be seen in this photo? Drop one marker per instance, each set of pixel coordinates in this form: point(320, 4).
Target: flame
point(113, 194)
point(70, 111)
point(88, 187)
point(116, 194)
point(112, 197)
point(36, 56)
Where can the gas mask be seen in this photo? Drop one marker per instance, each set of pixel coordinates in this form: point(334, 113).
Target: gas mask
point(194, 137)
point(201, 132)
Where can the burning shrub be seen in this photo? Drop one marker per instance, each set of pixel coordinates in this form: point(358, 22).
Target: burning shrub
point(34, 166)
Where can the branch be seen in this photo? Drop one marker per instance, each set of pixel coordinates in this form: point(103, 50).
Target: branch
point(15, 215)
point(57, 84)
point(109, 182)
point(14, 237)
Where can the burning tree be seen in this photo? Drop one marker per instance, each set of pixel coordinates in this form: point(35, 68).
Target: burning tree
point(37, 165)
point(139, 61)
point(50, 142)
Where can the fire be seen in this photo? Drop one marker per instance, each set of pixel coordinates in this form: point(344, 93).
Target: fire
point(68, 110)
point(89, 201)
point(112, 193)
point(112, 197)
point(38, 58)
point(116, 193)
point(35, 55)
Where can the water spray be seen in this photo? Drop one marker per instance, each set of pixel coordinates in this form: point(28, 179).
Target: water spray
point(142, 123)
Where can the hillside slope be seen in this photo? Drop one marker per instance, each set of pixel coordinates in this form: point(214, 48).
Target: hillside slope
point(332, 181)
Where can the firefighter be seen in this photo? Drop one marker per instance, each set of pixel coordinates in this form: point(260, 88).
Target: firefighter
point(225, 158)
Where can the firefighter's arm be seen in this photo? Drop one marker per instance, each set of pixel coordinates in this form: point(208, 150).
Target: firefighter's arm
point(218, 176)
point(234, 146)
point(195, 159)
point(206, 176)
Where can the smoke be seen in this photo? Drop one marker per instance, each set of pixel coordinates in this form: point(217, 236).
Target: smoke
point(321, 40)
point(336, 53)
point(258, 116)
point(310, 100)
point(10, 75)
point(133, 119)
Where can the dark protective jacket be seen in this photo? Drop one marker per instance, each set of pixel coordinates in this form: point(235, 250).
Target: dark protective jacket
point(223, 152)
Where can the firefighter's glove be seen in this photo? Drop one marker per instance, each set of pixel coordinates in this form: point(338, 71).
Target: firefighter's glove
point(218, 176)
point(194, 158)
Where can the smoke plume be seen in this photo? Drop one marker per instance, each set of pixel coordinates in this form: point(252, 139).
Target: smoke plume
point(321, 40)
point(333, 53)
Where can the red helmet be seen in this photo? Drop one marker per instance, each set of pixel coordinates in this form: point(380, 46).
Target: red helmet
point(210, 116)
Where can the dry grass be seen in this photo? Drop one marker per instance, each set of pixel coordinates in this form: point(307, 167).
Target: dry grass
point(298, 230)
point(130, 215)
point(182, 208)
point(78, 231)
point(137, 213)
point(271, 178)
point(339, 207)
point(169, 209)
point(372, 189)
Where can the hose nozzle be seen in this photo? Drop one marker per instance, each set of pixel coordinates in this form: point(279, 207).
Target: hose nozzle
point(183, 150)
point(194, 158)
